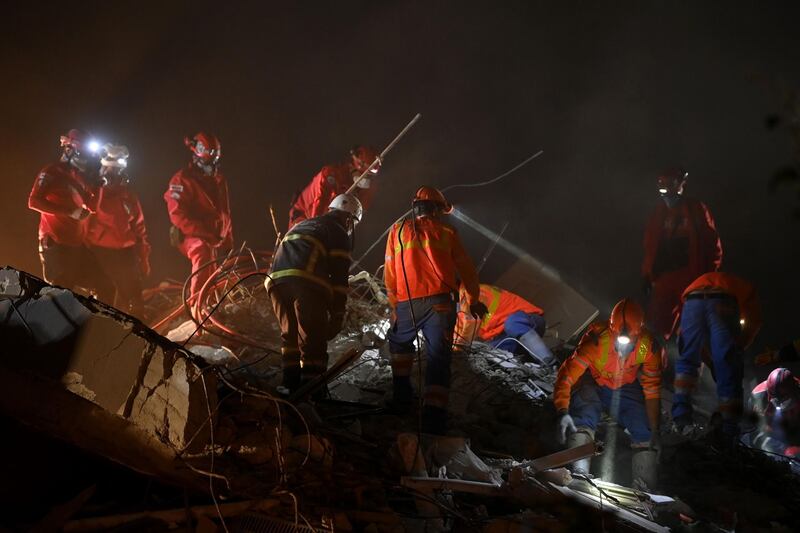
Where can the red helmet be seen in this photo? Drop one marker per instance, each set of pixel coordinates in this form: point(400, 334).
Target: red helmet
point(434, 196)
point(626, 322)
point(672, 181)
point(362, 157)
point(782, 387)
point(205, 147)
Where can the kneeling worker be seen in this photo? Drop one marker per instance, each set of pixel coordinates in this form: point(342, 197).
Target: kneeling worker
point(625, 363)
point(308, 288)
point(510, 322)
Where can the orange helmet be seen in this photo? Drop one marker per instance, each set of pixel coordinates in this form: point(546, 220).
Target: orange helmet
point(362, 157)
point(433, 196)
point(626, 323)
point(205, 147)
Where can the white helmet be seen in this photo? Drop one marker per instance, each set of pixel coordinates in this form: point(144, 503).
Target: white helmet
point(115, 155)
point(349, 204)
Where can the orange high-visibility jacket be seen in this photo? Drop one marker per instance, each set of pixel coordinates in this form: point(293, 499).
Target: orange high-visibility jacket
point(746, 298)
point(596, 353)
point(423, 256)
point(501, 305)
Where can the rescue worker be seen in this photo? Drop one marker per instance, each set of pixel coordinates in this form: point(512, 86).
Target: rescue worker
point(333, 180)
point(624, 362)
point(199, 209)
point(680, 243)
point(63, 194)
point(719, 319)
point(423, 256)
point(510, 321)
point(308, 288)
point(777, 401)
point(116, 233)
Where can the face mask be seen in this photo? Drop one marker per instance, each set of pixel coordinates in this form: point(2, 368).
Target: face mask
point(671, 200)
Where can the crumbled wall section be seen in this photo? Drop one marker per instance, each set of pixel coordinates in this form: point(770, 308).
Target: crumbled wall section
point(105, 356)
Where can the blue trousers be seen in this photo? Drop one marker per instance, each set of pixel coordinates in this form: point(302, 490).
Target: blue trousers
point(711, 324)
point(516, 325)
point(625, 405)
point(436, 318)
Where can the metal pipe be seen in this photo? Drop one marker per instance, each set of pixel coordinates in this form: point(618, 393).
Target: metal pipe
point(383, 154)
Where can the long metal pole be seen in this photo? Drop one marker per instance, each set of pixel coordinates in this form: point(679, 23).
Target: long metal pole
point(386, 150)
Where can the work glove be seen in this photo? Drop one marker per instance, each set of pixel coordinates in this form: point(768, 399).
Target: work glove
point(647, 286)
point(80, 213)
point(335, 325)
point(478, 310)
point(767, 357)
point(565, 426)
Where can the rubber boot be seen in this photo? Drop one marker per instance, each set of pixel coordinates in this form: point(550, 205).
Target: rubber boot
point(534, 344)
point(644, 469)
point(434, 420)
point(579, 438)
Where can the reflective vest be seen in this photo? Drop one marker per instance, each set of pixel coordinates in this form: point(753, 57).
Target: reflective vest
point(596, 353)
point(501, 304)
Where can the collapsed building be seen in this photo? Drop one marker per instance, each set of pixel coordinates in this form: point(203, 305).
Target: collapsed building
point(198, 411)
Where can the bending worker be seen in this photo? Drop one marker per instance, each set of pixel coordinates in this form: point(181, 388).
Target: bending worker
point(777, 401)
point(197, 201)
point(680, 243)
point(624, 361)
point(308, 288)
point(423, 256)
point(720, 315)
point(333, 180)
point(511, 322)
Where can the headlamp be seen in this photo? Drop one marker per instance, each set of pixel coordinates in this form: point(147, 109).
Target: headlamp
point(93, 146)
point(663, 191)
point(623, 340)
point(741, 321)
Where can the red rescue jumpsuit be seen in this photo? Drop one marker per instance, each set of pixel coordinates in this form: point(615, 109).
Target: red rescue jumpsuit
point(58, 191)
point(198, 206)
point(680, 243)
point(329, 182)
point(117, 237)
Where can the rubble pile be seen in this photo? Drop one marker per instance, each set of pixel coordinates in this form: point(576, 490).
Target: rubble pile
point(216, 425)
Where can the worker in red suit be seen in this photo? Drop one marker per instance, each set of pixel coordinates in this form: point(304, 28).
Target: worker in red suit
point(197, 201)
point(116, 233)
point(63, 194)
point(511, 322)
point(680, 244)
point(333, 180)
point(615, 368)
point(777, 401)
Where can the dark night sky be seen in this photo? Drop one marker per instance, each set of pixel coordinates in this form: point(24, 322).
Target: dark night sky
point(612, 91)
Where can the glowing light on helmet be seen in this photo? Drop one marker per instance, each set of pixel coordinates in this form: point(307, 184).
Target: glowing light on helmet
point(624, 340)
point(93, 146)
point(741, 321)
point(663, 190)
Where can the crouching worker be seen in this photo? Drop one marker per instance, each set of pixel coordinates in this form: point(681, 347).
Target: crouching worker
point(511, 322)
point(308, 288)
point(777, 401)
point(624, 363)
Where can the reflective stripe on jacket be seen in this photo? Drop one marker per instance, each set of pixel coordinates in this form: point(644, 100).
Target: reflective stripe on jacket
point(501, 304)
point(423, 257)
point(746, 298)
point(318, 251)
point(596, 352)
